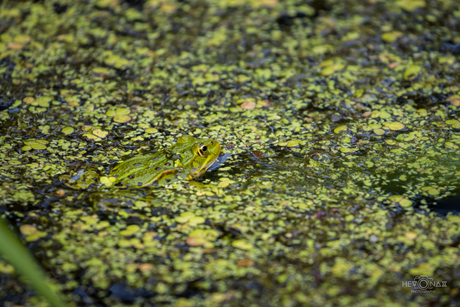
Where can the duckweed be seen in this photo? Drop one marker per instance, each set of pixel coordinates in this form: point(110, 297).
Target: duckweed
point(342, 121)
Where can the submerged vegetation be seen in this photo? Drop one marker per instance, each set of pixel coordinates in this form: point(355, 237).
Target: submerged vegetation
point(341, 118)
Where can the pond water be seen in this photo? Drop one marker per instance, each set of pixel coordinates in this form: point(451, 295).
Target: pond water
point(341, 121)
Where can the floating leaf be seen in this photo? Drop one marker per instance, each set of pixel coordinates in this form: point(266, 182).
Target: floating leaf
point(44, 129)
point(225, 182)
point(348, 150)
point(130, 230)
point(37, 144)
point(102, 70)
point(242, 244)
point(340, 129)
point(264, 104)
point(68, 130)
point(403, 202)
point(122, 111)
point(422, 112)
point(454, 100)
point(384, 115)
point(151, 130)
point(43, 101)
point(391, 37)
point(412, 72)
point(117, 61)
point(73, 101)
point(390, 142)
point(331, 66)
point(107, 181)
point(29, 100)
point(454, 123)
point(393, 65)
point(196, 220)
point(6, 268)
point(293, 143)
point(245, 263)
point(410, 5)
point(145, 267)
point(196, 241)
point(120, 115)
point(15, 46)
point(100, 133)
point(248, 105)
point(92, 136)
point(121, 119)
point(410, 235)
point(184, 217)
point(27, 230)
point(31, 232)
point(423, 268)
point(22, 38)
point(395, 126)
point(329, 70)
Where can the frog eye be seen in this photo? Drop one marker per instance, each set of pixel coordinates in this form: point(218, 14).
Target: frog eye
point(202, 150)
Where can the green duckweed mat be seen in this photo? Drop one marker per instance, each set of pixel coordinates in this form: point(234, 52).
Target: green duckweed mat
point(341, 118)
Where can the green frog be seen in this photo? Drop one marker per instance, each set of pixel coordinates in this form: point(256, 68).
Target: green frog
point(188, 159)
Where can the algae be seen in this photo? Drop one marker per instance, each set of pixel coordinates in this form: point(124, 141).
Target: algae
point(341, 118)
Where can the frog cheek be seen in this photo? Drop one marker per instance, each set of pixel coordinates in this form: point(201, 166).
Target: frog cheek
point(199, 169)
point(193, 174)
point(197, 172)
point(194, 171)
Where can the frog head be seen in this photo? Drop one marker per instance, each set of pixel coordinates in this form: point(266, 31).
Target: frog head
point(205, 153)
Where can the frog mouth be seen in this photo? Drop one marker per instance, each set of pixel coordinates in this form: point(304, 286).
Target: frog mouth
point(200, 171)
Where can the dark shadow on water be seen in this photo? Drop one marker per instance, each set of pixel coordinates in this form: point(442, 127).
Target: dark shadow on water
point(448, 204)
point(127, 294)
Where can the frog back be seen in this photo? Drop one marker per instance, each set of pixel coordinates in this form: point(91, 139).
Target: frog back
point(144, 170)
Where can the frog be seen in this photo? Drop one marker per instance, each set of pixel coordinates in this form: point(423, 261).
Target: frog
point(188, 159)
